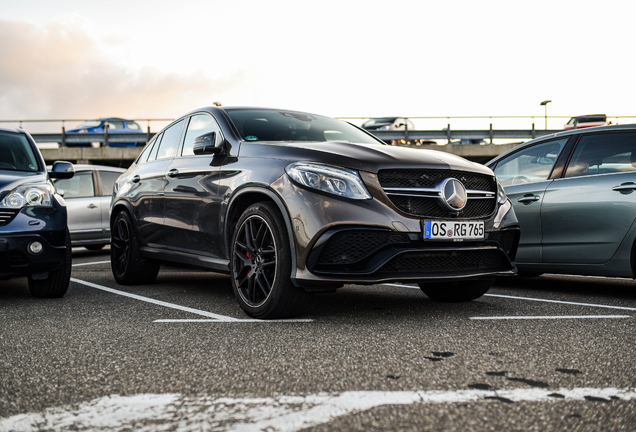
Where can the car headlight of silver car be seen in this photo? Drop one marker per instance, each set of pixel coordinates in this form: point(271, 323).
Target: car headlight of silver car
point(501, 193)
point(28, 196)
point(328, 178)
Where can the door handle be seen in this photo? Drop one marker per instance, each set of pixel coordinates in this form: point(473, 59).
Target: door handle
point(625, 187)
point(527, 199)
point(92, 206)
point(136, 179)
point(173, 172)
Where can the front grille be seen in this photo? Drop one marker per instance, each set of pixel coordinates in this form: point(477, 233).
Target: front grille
point(425, 205)
point(7, 215)
point(346, 247)
point(428, 178)
point(429, 207)
point(16, 259)
point(447, 261)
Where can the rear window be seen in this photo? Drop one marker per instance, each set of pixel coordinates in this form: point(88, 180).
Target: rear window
point(16, 153)
point(133, 126)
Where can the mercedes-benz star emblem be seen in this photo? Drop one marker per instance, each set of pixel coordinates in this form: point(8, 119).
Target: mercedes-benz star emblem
point(454, 194)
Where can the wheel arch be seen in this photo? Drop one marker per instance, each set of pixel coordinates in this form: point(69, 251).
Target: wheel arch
point(119, 205)
point(244, 198)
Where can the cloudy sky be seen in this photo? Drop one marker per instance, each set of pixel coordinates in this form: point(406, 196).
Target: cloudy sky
point(160, 59)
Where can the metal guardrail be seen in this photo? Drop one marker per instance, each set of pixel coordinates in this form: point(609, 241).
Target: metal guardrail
point(65, 139)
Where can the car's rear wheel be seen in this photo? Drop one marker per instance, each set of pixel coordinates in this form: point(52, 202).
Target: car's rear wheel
point(261, 265)
point(129, 267)
point(56, 284)
point(457, 291)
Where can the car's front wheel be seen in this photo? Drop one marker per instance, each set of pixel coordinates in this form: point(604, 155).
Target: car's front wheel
point(129, 267)
point(457, 291)
point(56, 284)
point(261, 265)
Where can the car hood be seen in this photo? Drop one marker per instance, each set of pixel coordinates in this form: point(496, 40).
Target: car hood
point(363, 157)
point(10, 180)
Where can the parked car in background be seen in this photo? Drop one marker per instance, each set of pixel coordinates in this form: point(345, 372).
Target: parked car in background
point(115, 125)
point(34, 239)
point(288, 203)
point(394, 124)
point(585, 121)
point(88, 195)
point(575, 196)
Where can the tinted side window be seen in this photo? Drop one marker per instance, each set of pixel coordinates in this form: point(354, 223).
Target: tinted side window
point(170, 142)
point(529, 165)
point(143, 156)
point(79, 186)
point(199, 124)
point(153, 152)
point(108, 179)
point(603, 154)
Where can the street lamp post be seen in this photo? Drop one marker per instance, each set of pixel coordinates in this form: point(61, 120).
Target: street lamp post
point(545, 104)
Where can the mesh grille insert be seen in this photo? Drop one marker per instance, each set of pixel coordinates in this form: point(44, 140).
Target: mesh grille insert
point(346, 247)
point(447, 261)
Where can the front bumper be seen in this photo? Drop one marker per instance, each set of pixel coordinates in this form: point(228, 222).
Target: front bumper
point(340, 241)
point(45, 225)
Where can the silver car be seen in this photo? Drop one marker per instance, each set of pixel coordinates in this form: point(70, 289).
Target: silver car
point(574, 195)
point(88, 194)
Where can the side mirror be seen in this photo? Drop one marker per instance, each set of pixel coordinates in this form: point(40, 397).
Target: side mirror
point(205, 144)
point(62, 170)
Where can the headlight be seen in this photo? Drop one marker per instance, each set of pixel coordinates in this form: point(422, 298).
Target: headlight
point(327, 178)
point(26, 196)
point(501, 193)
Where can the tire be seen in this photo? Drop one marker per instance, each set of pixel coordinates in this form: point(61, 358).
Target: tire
point(56, 285)
point(261, 265)
point(457, 291)
point(129, 267)
point(94, 247)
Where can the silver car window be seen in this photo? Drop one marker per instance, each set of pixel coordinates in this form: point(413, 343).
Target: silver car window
point(79, 186)
point(530, 164)
point(108, 179)
point(603, 154)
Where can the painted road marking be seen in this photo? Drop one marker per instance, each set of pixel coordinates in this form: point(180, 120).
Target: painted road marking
point(236, 320)
point(550, 317)
point(215, 317)
point(280, 413)
point(533, 299)
point(153, 301)
point(91, 263)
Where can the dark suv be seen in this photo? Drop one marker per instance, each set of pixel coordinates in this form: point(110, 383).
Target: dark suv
point(34, 239)
point(290, 203)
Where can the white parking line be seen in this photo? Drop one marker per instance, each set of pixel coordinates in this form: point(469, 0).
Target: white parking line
point(91, 263)
point(215, 317)
point(533, 299)
point(153, 301)
point(550, 317)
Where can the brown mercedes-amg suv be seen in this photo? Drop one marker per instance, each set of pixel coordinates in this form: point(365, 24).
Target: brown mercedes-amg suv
point(289, 203)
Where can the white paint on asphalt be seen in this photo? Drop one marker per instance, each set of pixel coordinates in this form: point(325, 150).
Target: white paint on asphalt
point(215, 317)
point(153, 301)
point(91, 263)
point(532, 299)
point(246, 320)
point(550, 317)
point(175, 412)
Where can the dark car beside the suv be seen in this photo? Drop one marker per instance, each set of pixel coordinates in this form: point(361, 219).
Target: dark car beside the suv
point(290, 203)
point(34, 239)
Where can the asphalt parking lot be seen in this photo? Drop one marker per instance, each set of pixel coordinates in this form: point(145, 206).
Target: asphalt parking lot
point(545, 353)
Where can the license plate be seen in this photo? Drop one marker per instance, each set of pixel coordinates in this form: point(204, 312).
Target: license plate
point(452, 230)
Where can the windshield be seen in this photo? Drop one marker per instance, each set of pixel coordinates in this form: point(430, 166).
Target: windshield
point(90, 124)
point(273, 125)
point(16, 154)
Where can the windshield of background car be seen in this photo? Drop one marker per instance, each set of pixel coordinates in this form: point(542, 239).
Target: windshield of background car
point(530, 164)
point(272, 125)
point(90, 124)
point(16, 153)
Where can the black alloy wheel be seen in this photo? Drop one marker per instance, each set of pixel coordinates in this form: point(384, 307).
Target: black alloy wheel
point(129, 267)
point(260, 265)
